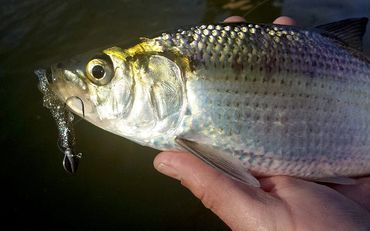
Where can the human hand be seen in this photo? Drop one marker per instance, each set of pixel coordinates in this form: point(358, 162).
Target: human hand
point(282, 203)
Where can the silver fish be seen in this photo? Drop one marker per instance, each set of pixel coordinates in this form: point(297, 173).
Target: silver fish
point(249, 99)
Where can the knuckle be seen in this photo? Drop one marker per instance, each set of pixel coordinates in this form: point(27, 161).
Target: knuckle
point(207, 199)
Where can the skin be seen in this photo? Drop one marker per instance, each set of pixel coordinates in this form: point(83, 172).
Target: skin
point(282, 203)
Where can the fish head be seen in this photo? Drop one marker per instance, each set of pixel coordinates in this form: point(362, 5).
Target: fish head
point(132, 93)
point(95, 86)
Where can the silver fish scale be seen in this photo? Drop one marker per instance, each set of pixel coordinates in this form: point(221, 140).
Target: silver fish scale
point(283, 101)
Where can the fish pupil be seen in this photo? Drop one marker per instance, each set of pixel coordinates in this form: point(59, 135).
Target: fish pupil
point(98, 71)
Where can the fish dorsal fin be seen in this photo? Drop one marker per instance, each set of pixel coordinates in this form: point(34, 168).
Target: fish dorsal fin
point(349, 31)
point(220, 160)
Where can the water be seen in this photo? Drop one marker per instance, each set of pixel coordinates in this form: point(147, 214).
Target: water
point(116, 187)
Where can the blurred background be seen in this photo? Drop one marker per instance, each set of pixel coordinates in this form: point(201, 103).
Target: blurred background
point(116, 186)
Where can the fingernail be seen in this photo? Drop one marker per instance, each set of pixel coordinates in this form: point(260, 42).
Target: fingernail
point(167, 170)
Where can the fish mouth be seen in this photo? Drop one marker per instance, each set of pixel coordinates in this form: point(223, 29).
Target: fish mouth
point(76, 104)
point(69, 87)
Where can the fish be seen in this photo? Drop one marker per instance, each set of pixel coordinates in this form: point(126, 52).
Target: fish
point(251, 100)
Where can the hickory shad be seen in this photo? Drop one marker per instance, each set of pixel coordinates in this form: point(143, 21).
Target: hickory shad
point(248, 99)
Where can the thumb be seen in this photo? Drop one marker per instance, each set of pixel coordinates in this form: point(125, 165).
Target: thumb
point(238, 205)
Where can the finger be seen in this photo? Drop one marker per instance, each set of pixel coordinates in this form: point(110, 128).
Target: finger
point(234, 19)
point(284, 20)
point(238, 205)
point(306, 199)
point(358, 193)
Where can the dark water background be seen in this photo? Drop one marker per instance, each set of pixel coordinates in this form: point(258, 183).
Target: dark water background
point(116, 187)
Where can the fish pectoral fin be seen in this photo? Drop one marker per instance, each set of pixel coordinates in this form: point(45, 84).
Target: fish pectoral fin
point(337, 180)
point(219, 160)
point(349, 31)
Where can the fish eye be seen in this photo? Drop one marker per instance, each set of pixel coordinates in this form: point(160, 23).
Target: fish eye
point(99, 70)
